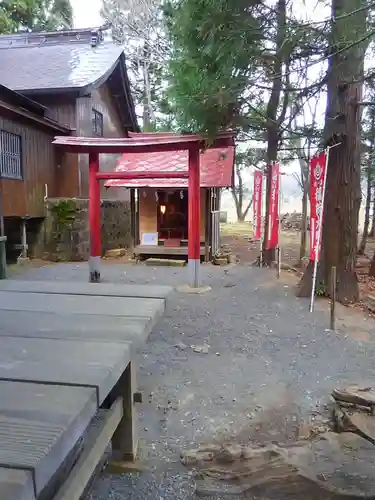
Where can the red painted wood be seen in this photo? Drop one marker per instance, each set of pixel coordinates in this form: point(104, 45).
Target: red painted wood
point(216, 168)
point(172, 243)
point(194, 205)
point(141, 135)
point(139, 145)
point(94, 206)
point(142, 175)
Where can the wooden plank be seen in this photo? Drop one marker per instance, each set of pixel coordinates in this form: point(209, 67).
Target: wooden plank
point(162, 250)
point(39, 426)
point(76, 327)
point(16, 485)
point(81, 304)
point(78, 288)
point(97, 442)
point(64, 362)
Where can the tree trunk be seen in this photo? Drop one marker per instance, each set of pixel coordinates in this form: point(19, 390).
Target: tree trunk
point(246, 210)
point(273, 122)
point(342, 128)
point(147, 118)
point(372, 232)
point(302, 249)
point(238, 197)
point(371, 272)
point(366, 224)
point(242, 213)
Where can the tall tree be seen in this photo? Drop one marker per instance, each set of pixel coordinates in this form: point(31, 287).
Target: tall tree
point(368, 156)
point(216, 49)
point(277, 106)
point(301, 145)
point(35, 15)
point(54, 15)
point(348, 41)
point(138, 25)
point(240, 65)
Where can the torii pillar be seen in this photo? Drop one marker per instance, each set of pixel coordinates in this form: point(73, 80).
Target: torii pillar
point(194, 243)
point(193, 216)
point(94, 218)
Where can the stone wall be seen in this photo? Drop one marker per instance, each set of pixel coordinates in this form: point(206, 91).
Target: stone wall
point(64, 235)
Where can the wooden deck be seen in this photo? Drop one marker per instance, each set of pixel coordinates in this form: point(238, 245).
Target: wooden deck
point(144, 250)
point(65, 362)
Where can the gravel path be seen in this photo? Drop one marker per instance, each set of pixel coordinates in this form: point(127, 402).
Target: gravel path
point(266, 351)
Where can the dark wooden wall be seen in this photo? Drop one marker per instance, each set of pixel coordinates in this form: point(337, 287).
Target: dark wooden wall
point(65, 174)
point(76, 113)
point(63, 109)
point(103, 102)
point(25, 197)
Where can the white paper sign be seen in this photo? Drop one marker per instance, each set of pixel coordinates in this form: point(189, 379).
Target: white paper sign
point(149, 239)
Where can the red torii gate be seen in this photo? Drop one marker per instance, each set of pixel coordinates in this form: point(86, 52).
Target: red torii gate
point(144, 143)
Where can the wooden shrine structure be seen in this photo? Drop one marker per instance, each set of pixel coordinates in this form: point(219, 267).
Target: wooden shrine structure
point(160, 206)
point(144, 143)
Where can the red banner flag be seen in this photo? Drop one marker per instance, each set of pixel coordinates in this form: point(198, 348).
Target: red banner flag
point(318, 172)
point(257, 205)
point(273, 214)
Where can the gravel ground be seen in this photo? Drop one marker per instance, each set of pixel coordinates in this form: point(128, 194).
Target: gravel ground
point(267, 356)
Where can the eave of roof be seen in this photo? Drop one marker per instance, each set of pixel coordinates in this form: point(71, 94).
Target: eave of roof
point(18, 99)
point(140, 144)
point(43, 121)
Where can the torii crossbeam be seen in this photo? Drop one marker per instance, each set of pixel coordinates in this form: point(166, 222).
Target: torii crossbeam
point(143, 143)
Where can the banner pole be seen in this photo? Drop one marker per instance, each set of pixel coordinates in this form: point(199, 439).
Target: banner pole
point(261, 227)
point(319, 235)
point(279, 231)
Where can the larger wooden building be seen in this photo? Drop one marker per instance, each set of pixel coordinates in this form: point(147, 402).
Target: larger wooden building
point(71, 82)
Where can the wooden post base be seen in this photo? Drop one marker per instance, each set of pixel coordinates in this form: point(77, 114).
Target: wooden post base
point(124, 441)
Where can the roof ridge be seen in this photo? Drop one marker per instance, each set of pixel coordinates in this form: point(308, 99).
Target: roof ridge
point(94, 36)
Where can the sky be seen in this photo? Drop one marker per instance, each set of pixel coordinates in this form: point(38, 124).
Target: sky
point(87, 13)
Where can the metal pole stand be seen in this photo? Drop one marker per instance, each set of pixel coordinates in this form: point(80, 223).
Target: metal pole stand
point(278, 262)
point(333, 298)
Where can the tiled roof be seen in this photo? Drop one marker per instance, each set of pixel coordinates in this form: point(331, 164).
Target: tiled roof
point(216, 167)
point(53, 62)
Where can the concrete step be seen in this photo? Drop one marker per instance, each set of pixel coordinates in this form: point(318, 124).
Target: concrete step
point(165, 262)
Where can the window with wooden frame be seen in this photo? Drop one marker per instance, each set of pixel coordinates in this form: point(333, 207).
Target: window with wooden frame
point(10, 156)
point(97, 123)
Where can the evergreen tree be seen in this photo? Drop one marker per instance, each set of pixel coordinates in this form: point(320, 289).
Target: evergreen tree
point(138, 25)
point(35, 15)
point(349, 35)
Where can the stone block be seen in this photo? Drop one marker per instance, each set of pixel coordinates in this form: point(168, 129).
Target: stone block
point(115, 253)
point(232, 259)
point(220, 261)
point(69, 240)
point(165, 262)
